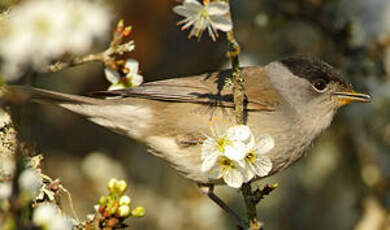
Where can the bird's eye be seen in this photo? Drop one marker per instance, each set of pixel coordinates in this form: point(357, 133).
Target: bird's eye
point(320, 85)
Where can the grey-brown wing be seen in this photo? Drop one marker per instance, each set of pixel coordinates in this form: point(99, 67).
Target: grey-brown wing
point(211, 89)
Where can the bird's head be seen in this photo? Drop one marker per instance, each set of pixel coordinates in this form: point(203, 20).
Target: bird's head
point(313, 88)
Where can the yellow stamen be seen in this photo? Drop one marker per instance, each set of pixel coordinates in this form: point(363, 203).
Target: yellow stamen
point(251, 157)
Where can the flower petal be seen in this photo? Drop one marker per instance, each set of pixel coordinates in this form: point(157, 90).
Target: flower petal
point(264, 144)
point(217, 8)
point(222, 23)
point(262, 166)
point(240, 133)
point(208, 147)
point(112, 75)
point(215, 173)
point(190, 8)
point(132, 65)
point(136, 80)
point(233, 178)
point(241, 164)
point(236, 151)
point(248, 173)
point(246, 169)
point(209, 162)
point(183, 11)
point(116, 87)
point(192, 4)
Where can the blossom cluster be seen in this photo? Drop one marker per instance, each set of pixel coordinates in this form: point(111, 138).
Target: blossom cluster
point(34, 32)
point(236, 156)
point(131, 79)
point(115, 206)
point(121, 73)
point(212, 16)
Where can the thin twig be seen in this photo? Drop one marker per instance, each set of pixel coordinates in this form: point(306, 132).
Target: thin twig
point(259, 194)
point(107, 57)
point(226, 208)
point(60, 65)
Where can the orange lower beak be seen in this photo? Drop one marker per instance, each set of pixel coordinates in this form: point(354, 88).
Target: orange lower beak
point(349, 97)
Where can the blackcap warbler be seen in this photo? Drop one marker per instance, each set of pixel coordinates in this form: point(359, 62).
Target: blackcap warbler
point(293, 100)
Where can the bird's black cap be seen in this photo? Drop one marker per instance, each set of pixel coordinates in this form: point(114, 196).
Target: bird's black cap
point(312, 69)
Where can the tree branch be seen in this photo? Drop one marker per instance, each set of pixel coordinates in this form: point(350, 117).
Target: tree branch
point(238, 82)
point(238, 97)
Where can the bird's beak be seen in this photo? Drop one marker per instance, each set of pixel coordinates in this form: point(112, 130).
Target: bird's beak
point(348, 97)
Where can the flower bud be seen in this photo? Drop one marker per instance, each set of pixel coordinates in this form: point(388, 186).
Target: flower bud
point(112, 222)
point(127, 31)
point(102, 201)
point(124, 200)
point(113, 210)
point(112, 184)
point(138, 212)
point(111, 202)
point(124, 211)
point(274, 186)
point(120, 24)
point(121, 186)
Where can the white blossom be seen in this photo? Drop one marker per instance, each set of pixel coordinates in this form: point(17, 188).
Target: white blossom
point(257, 159)
point(7, 166)
point(124, 200)
point(131, 79)
point(5, 190)
point(88, 20)
point(236, 156)
point(212, 16)
point(242, 140)
point(38, 31)
point(30, 181)
point(124, 211)
point(229, 170)
point(47, 216)
point(223, 157)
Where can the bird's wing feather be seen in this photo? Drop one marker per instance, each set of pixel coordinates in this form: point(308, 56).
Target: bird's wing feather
point(213, 89)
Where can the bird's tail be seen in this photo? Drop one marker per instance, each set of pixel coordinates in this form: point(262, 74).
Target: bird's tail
point(126, 118)
point(21, 94)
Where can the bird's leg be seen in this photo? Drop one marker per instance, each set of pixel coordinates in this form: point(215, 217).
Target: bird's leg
point(209, 191)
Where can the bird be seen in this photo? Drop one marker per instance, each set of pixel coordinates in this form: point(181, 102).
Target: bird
point(293, 99)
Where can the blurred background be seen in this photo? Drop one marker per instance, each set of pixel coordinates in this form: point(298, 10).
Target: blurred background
point(342, 184)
